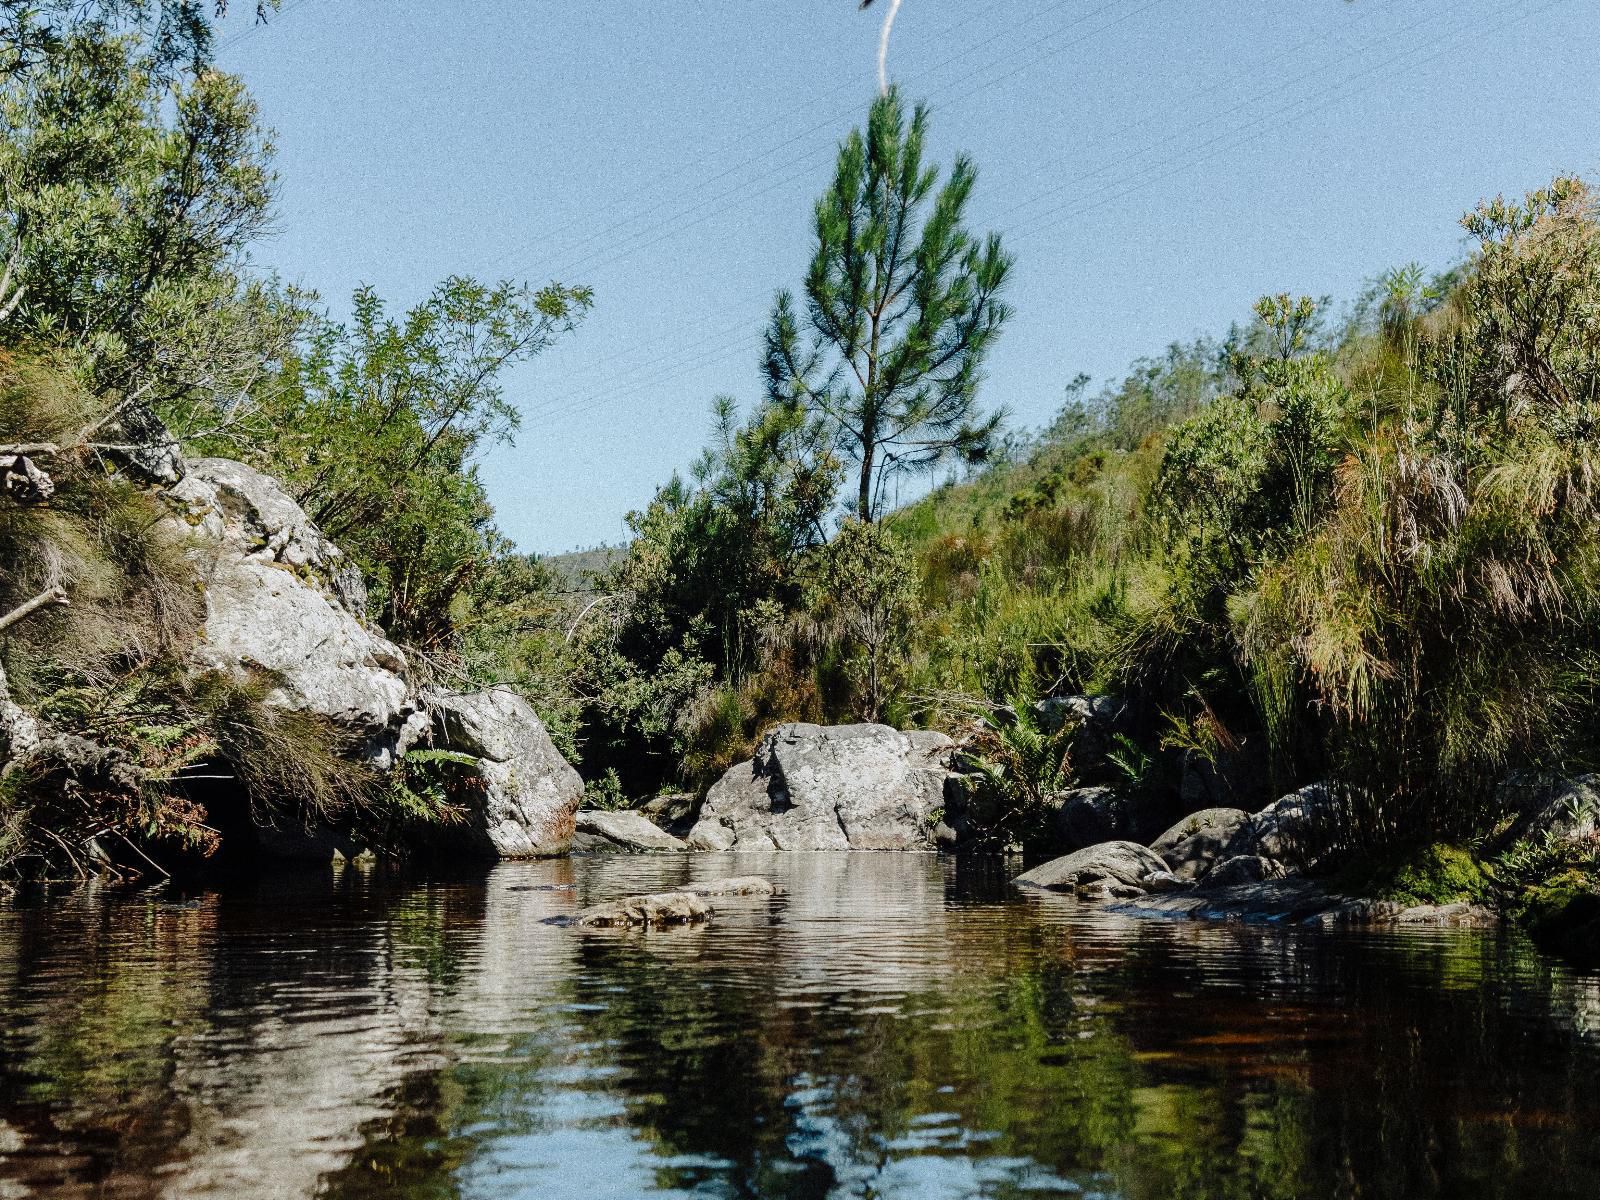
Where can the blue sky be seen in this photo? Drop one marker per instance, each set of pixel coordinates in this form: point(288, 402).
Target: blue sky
point(1154, 165)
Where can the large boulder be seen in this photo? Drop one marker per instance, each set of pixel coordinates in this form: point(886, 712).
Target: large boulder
point(1285, 831)
point(845, 787)
point(625, 832)
point(526, 795)
point(1091, 815)
point(1112, 869)
point(284, 602)
point(1191, 846)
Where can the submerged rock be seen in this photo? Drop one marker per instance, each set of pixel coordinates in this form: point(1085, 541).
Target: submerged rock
point(844, 787)
point(1298, 901)
point(1107, 867)
point(527, 798)
point(1192, 846)
point(625, 832)
point(658, 908)
point(734, 885)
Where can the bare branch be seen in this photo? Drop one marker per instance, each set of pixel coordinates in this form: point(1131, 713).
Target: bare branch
point(55, 595)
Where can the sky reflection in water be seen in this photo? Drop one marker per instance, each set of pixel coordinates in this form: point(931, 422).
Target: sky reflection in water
point(896, 1026)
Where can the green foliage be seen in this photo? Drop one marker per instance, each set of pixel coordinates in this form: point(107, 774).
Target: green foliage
point(1021, 766)
point(605, 792)
point(1434, 874)
point(374, 427)
point(132, 175)
point(861, 591)
point(702, 598)
point(901, 307)
point(427, 785)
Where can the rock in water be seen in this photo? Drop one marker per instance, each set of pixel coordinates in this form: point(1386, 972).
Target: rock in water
point(626, 832)
point(529, 795)
point(1114, 866)
point(843, 787)
point(282, 599)
point(1192, 846)
point(735, 885)
point(659, 908)
point(1243, 868)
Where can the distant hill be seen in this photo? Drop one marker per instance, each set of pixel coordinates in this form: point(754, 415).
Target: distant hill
point(579, 566)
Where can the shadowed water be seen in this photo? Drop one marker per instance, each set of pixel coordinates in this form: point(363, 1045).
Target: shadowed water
point(895, 1026)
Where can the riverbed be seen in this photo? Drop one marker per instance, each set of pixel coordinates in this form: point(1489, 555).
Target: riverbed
point(893, 1026)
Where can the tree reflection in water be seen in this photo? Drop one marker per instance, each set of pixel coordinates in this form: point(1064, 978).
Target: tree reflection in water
point(895, 1026)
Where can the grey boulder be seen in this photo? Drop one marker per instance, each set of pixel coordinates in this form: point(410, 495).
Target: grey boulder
point(282, 602)
point(844, 787)
point(1192, 846)
point(1112, 868)
point(1091, 815)
point(527, 794)
point(1243, 868)
point(1286, 831)
point(625, 832)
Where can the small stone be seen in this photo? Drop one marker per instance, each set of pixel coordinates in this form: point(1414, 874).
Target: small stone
point(734, 885)
point(658, 908)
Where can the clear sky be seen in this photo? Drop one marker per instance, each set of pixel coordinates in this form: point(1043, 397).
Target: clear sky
point(1154, 165)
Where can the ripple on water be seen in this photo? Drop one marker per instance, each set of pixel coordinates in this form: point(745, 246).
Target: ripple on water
point(893, 1026)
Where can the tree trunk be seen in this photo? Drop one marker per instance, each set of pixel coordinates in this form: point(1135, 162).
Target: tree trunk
point(864, 497)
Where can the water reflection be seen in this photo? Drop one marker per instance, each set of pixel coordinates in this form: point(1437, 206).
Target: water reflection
point(895, 1026)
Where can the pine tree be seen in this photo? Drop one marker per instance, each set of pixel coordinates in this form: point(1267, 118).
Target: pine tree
point(901, 306)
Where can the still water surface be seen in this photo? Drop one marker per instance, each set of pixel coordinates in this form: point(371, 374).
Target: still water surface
point(895, 1026)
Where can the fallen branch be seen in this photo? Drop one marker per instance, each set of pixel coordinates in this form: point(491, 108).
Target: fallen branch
point(55, 595)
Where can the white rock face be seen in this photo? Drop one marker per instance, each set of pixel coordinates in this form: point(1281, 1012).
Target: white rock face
point(281, 598)
point(529, 794)
point(19, 732)
point(843, 787)
point(626, 832)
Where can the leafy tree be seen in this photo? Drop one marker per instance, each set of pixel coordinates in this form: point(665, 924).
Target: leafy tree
point(713, 566)
point(901, 307)
point(374, 426)
point(132, 177)
point(863, 592)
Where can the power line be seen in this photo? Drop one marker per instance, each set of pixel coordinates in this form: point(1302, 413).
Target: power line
point(605, 385)
point(671, 175)
point(644, 362)
point(1249, 131)
point(567, 265)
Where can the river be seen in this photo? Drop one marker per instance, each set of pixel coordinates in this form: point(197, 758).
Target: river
point(893, 1026)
